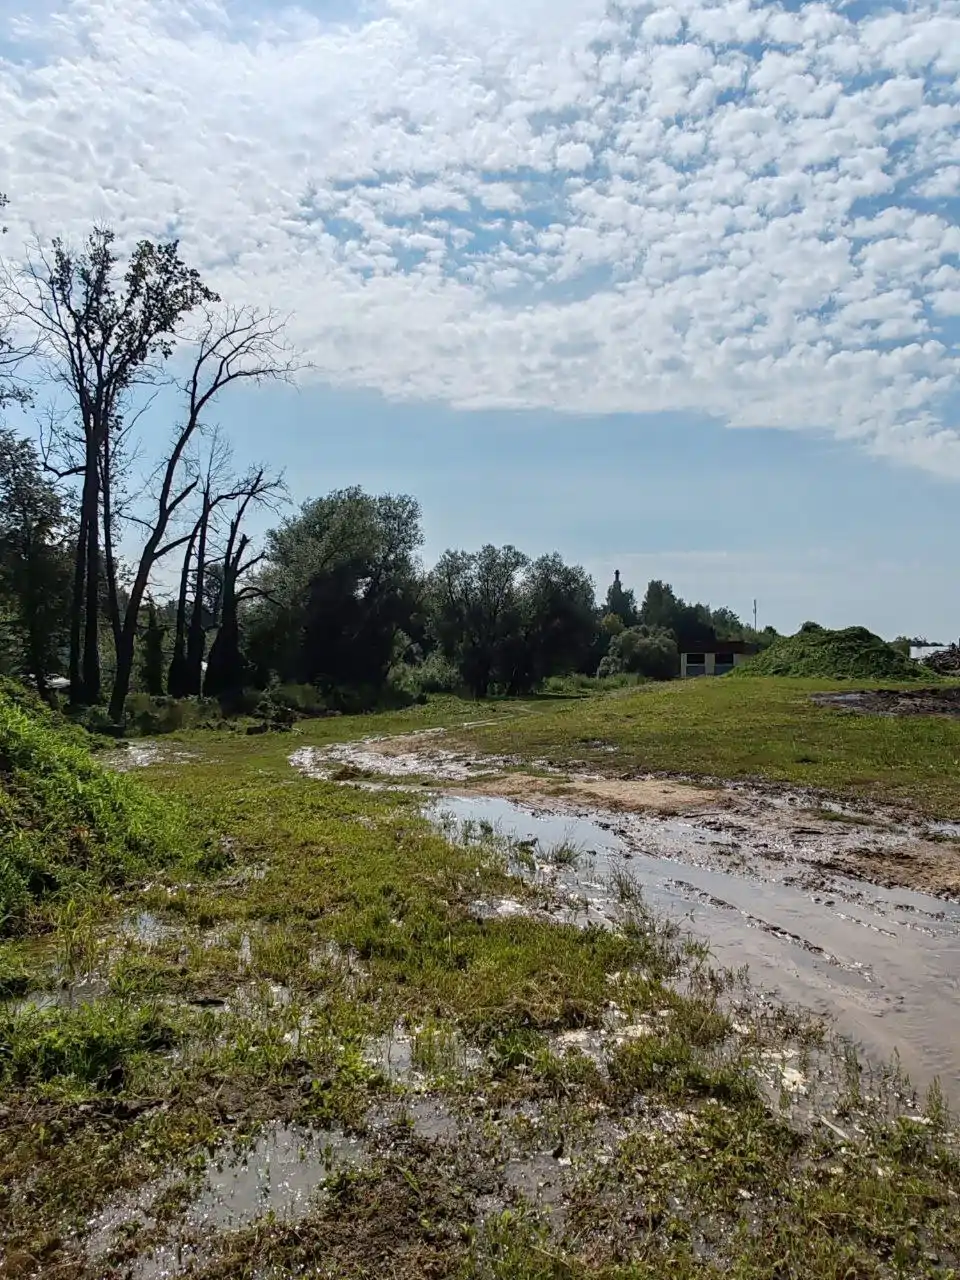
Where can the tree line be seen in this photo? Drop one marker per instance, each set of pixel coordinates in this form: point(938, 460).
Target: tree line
point(94, 528)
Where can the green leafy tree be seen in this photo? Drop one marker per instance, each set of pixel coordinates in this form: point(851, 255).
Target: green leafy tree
point(339, 587)
point(646, 651)
point(506, 622)
point(556, 625)
point(34, 562)
point(476, 610)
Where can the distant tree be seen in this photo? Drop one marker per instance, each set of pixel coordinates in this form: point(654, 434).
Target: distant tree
point(621, 602)
point(152, 664)
point(34, 561)
point(692, 625)
point(661, 606)
point(476, 610)
point(556, 625)
point(339, 590)
point(726, 624)
point(646, 651)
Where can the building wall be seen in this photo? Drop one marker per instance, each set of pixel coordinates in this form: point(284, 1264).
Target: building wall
point(709, 667)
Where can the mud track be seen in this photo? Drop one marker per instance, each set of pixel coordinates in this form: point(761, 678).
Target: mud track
point(853, 915)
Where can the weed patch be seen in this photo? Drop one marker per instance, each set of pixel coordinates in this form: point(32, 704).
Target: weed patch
point(67, 826)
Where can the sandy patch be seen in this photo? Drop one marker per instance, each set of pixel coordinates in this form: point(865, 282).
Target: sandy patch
point(640, 795)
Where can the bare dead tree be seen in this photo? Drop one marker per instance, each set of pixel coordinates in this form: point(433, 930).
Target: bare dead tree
point(220, 486)
point(99, 340)
point(225, 666)
point(217, 488)
point(232, 345)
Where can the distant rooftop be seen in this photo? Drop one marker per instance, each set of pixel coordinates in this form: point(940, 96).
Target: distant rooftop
point(722, 646)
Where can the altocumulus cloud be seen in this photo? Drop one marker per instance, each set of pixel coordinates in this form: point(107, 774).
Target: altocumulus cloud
point(741, 209)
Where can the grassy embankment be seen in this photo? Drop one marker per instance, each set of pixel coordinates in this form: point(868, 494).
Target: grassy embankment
point(301, 921)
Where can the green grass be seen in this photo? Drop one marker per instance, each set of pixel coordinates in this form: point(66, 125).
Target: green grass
point(759, 728)
point(68, 827)
point(343, 917)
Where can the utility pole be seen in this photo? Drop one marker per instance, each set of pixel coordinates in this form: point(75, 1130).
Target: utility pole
point(754, 615)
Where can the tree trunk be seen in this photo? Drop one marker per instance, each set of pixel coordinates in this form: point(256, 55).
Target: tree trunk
point(177, 675)
point(196, 637)
point(77, 692)
point(225, 667)
point(91, 636)
point(128, 634)
point(37, 646)
point(126, 647)
point(113, 597)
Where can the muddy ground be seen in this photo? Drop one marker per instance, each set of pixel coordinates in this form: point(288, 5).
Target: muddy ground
point(853, 915)
point(357, 1049)
point(894, 702)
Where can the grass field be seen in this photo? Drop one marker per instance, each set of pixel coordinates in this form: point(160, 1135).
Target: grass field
point(252, 991)
point(747, 728)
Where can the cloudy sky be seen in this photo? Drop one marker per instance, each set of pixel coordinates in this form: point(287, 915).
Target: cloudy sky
point(674, 287)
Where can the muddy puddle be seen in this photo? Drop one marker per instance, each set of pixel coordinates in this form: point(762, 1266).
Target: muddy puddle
point(280, 1174)
point(787, 884)
point(885, 965)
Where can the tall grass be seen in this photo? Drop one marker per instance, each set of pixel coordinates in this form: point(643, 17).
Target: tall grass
point(67, 826)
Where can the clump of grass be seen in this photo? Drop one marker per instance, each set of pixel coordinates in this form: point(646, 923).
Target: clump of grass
point(565, 853)
point(851, 654)
point(14, 972)
point(67, 826)
point(89, 1045)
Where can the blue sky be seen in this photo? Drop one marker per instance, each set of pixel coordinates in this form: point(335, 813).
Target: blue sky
point(808, 525)
point(672, 286)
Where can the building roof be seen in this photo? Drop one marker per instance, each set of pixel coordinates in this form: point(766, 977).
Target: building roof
point(723, 646)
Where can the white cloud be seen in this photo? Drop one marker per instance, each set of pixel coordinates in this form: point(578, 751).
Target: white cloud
point(731, 209)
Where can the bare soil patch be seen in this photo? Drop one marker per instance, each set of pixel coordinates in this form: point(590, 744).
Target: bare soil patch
point(894, 702)
point(635, 795)
point(924, 866)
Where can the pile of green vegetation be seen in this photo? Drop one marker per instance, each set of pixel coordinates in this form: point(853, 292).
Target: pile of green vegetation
point(851, 654)
point(68, 826)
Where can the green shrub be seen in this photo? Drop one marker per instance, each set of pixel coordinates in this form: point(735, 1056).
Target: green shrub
point(304, 699)
point(154, 716)
point(66, 824)
point(434, 675)
point(646, 651)
point(572, 685)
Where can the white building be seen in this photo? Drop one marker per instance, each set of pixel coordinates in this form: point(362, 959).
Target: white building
point(717, 661)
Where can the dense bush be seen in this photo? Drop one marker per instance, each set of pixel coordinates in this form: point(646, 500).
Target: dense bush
point(434, 675)
point(646, 651)
point(66, 824)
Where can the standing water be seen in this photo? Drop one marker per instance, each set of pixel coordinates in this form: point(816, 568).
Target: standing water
point(883, 964)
